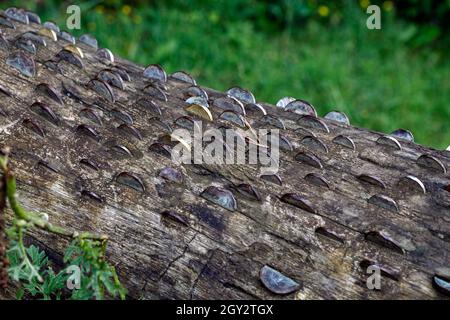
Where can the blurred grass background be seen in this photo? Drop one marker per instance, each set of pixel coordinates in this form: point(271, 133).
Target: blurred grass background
point(320, 51)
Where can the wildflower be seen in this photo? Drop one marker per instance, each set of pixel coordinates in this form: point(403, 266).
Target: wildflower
point(388, 5)
point(100, 9)
point(137, 19)
point(92, 26)
point(364, 3)
point(126, 10)
point(323, 11)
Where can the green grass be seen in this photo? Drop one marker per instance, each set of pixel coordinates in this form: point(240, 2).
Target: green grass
point(375, 76)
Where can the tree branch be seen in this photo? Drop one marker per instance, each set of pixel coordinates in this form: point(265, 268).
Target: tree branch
point(3, 244)
point(20, 213)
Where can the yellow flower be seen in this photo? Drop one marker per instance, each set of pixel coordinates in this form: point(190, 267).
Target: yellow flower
point(137, 19)
point(92, 26)
point(100, 9)
point(126, 10)
point(388, 5)
point(364, 3)
point(323, 11)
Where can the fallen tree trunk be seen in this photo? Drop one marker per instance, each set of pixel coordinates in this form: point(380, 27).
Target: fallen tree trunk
point(88, 133)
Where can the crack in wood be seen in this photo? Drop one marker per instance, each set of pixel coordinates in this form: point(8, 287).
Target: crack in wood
point(191, 291)
point(177, 258)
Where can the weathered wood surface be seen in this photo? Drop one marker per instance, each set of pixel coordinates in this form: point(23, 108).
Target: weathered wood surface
point(169, 242)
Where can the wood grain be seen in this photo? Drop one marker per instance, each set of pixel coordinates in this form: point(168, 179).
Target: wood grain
point(169, 242)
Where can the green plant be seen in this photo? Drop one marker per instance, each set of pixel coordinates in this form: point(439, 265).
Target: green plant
point(30, 267)
point(319, 51)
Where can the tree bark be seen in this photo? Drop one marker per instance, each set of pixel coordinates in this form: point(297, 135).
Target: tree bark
point(322, 226)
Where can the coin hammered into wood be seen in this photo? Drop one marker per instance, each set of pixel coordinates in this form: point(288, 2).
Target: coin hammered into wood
point(93, 138)
point(276, 282)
